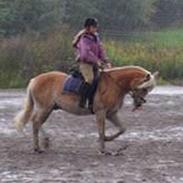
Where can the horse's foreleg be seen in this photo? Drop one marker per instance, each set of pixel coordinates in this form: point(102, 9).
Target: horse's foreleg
point(100, 117)
point(112, 137)
point(116, 121)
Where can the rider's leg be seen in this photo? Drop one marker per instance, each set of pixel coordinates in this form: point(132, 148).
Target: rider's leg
point(92, 92)
point(87, 72)
point(84, 94)
point(94, 86)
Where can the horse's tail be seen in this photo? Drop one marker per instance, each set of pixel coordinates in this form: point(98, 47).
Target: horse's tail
point(23, 117)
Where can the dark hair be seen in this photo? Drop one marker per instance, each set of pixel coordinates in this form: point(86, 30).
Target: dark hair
point(91, 22)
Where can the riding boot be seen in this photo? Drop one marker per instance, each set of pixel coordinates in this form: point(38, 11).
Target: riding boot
point(84, 94)
point(91, 94)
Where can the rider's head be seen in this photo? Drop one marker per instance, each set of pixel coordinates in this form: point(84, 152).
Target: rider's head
point(91, 25)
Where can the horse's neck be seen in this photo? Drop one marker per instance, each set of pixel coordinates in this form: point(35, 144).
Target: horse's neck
point(121, 79)
point(110, 92)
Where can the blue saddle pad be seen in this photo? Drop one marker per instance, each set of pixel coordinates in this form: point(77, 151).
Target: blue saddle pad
point(72, 84)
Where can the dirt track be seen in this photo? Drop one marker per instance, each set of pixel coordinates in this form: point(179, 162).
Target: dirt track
point(151, 148)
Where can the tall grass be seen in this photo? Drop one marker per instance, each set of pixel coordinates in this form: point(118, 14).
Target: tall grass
point(23, 57)
point(162, 51)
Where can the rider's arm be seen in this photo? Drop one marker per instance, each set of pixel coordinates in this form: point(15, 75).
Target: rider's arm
point(103, 57)
point(102, 54)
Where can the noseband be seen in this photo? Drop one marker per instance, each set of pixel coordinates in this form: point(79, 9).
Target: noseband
point(132, 94)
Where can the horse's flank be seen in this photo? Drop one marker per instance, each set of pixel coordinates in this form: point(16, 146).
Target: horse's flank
point(47, 91)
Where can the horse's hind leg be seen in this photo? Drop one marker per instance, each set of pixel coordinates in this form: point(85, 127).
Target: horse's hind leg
point(114, 119)
point(35, 127)
point(39, 117)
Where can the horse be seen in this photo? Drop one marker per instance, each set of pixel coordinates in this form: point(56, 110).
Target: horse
point(44, 94)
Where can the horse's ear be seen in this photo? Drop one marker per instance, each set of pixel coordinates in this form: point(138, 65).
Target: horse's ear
point(156, 74)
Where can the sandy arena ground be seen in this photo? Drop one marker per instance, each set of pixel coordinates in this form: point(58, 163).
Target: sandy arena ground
point(151, 150)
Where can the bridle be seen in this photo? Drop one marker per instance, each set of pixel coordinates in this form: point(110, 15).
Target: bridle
point(132, 94)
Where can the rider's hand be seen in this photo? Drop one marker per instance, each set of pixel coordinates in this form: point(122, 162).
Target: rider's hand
point(99, 64)
point(108, 65)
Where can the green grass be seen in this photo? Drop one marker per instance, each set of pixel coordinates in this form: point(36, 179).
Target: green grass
point(168, 38)
point(24, 57)
point(162, 51)
point(164, 38)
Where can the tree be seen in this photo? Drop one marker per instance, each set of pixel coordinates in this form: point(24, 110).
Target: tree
point(6, 16)
point(168, 13)
point(18, 16)
point(116, 14)
point(77, 10)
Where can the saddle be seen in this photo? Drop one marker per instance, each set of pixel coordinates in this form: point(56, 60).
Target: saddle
point(75, 84)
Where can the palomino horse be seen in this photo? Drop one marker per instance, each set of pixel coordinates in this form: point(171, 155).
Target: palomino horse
point(44, 94)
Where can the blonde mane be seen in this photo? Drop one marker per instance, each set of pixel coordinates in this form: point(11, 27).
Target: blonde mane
point(127, 67)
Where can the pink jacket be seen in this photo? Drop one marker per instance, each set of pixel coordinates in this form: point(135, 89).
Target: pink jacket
point(89, 48)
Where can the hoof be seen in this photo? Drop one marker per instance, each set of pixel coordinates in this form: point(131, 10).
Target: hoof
point(111, 153)
point(105, 153)
point(122, 130)
point(117, 153)
point(38, 151)
point(120, 150)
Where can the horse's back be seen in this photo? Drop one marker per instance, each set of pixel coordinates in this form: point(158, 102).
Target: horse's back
point(50, 75)
point(49, 78)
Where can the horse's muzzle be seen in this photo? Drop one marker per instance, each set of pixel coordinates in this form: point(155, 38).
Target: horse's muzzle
point(138, 102)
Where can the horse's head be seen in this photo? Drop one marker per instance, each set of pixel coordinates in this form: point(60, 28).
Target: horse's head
point(141, 87)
